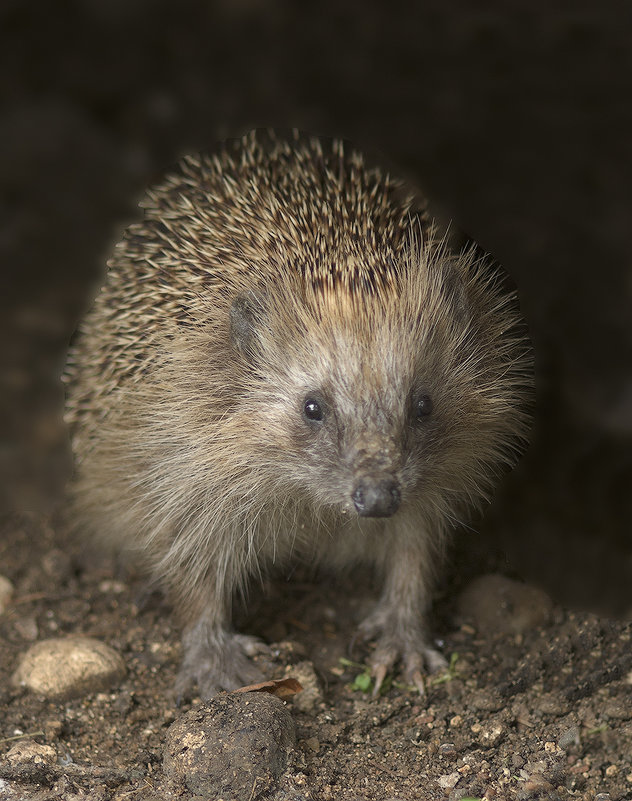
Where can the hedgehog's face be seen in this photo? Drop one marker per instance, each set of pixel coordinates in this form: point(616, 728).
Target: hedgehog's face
point(369, 411)
point(361, 424)
point(372, 452)
point(353, 419)
point(368, 447)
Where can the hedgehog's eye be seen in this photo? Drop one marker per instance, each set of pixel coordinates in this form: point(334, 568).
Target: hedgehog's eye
point(423, 406)
point(313, 410)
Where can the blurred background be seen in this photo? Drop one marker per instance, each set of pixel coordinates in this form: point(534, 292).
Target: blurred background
point(515, 118)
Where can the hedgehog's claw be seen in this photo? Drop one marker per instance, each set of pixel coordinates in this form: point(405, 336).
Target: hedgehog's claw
point(384, 661)
point(418, 680)
point(379, 674)
point(410, 649)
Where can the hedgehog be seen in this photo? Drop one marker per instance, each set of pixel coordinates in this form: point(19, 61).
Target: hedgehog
point(290, 361)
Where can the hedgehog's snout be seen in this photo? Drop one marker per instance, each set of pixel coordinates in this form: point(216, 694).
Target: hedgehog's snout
point(376, 497)
point(375, 489)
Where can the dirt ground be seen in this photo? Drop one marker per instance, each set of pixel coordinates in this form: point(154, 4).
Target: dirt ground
point(517, 121)
point(542, 715)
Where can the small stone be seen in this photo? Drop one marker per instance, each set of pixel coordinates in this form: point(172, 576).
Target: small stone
point(69, 667)
point(486, 701)
point(449, 780)
point(6, 593)
point(533, 768)
point(550, 704)
point(57, 564)
point(612, 770)
point(537, 784)
point(111, 586)
point(313, 744)
point(498, 605)
point(27, 628)
point(490, 736)
point(234, 746)
point(28, 751)
point(52, 729)
point(312, 693)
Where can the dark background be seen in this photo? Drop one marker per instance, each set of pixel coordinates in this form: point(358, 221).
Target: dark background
point(515, 117)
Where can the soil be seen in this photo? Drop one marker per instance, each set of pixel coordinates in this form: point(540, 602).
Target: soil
point(517, 121)
point(543, 714)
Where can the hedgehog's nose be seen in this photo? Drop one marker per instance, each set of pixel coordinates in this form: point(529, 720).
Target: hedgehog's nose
point(376, 497)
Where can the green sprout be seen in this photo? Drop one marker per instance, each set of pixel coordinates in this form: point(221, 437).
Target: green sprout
point(450, 672)
point(597, 729)
point(363, 682)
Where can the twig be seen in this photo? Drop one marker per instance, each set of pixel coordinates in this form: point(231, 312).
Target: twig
point(22, 736)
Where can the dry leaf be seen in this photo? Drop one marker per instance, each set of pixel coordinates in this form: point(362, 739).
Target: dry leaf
point(282, 688)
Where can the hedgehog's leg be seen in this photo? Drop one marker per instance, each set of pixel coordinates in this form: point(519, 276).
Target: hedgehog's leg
point(215, 657)
point(397, 624)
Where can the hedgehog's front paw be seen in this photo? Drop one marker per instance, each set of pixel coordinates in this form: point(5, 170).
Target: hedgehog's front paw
point(216, 660)
point(395, 642)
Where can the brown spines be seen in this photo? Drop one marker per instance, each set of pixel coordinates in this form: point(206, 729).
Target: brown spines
point(261, 207)
point(332, 238)
point(288, 202)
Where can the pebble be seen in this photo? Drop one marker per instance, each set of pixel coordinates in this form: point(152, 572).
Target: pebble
point(552, 704)
point(52, 729)
point(57, 564)
point(26, 627)
point(312, 693)
point(498, 605)
point(449, 780)
point(69, 667)
point(488, 735)
point(313, 744)
point(537, 784)
point(28, 751)
point(234, 746)
point(486, 700)
point(6, 593)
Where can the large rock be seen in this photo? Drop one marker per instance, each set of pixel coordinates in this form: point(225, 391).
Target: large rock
point(496, 604)
point(69, 667)
point(234, 746)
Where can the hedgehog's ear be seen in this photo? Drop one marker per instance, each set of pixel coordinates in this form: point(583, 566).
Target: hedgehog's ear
point(245, 313)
